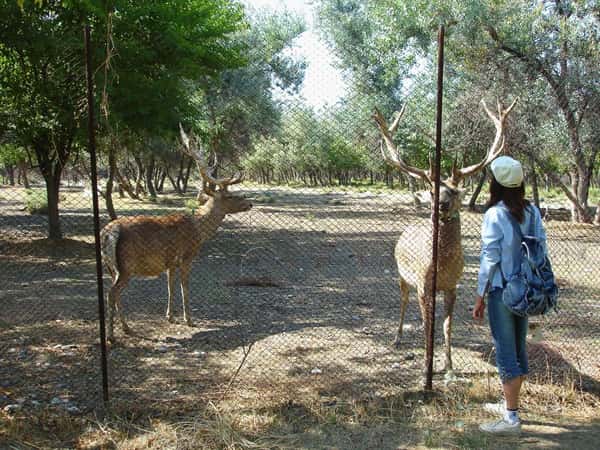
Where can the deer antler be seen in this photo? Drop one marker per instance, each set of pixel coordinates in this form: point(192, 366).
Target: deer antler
point(496, 148)
point(192, 148)
point(391, 155)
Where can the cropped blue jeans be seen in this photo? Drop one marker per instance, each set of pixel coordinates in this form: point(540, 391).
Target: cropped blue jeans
point(509, 333)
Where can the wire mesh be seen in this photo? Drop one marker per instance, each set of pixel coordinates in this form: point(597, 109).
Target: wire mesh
point(300, 293)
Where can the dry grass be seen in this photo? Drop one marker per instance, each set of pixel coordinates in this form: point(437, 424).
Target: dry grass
point(259, 418)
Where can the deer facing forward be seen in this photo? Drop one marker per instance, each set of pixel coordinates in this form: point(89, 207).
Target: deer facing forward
point(147, 246)
point(413, 252)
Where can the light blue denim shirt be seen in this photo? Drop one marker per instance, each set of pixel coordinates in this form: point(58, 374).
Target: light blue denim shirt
point(497, 240)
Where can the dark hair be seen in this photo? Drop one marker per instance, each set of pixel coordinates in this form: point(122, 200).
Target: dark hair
point(513, 198)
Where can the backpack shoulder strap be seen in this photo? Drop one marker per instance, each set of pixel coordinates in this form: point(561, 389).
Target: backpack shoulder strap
point(514, 223)
point(517, 245)
point(532, 209)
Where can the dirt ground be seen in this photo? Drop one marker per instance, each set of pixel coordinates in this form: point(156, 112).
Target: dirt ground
point(322, 327)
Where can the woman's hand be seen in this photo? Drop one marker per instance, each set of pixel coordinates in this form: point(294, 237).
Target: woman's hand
point(479, 308)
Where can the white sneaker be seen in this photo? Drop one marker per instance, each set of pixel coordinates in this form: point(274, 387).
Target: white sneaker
point(501, 427)
point(495, 408)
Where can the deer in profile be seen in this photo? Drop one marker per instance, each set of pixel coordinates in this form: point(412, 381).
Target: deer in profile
point(147, 246)
point(413, 252)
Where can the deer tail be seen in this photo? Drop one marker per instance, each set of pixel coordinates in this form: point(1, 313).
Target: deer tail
point(109, 239)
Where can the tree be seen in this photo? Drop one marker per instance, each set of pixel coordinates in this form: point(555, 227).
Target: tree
point(238, 105)
point(41, 85)
point(554, 44)
point(14, 158)
point(559, 42)
point(160, 45)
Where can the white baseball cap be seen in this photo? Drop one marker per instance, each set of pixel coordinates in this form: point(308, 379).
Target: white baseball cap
point(507, 171)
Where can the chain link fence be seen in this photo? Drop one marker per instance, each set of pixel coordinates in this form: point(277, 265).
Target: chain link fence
point(298, 295)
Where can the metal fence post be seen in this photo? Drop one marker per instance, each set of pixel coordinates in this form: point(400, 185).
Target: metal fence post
point(436, 207)
point(94, 176)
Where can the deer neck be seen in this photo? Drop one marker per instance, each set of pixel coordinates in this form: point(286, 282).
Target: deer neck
point(208, 218)
point(450, 238)
point(451, 226)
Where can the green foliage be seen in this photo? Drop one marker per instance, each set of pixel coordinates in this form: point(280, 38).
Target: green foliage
point(191, 205)
point(263, 156)
point(307, 144)
point(40, 77)
point(265, 198)
point(238, 106)
point(547, 53)
point(21, 3)
point(342, 155)
point(159, 46)
point(162, 49)
point(36, 201)
point(11, 155)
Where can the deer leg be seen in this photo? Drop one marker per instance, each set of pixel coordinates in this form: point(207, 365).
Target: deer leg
point(114, 303)
point(111, 314)
point(403, 304)
point(170, 288)
point(110, 305)
point(424, 296)
point(424, 300)
point(119, 307)
point(449, 300)
point(185, 278)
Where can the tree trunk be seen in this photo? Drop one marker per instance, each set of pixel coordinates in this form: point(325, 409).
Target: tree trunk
point(52, 194)
point(161, 180)
point(389, 178)
point(534, 183)
point(557, 80)
point(112, 168)
point(402, 181)
point(125, 185)
point(23, 174)
point(156, 179)
point(149, 180)
point(174, 183)
point(583, 192)
point(10, 171)
point(578, 212)
point(597, 216)
point(412, 188)
point(179, 178)
point(575, 214)
point(51, 164)
point(580, 173)
point(139, 189)
point(186, 177)
point(477, 191)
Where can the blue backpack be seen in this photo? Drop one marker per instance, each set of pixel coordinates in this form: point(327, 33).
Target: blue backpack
point(532, 290)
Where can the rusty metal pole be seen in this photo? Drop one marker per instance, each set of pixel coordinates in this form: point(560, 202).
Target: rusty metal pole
point(436, 209)
point(92, 151)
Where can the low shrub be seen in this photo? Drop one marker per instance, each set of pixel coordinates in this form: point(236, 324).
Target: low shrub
point(191, 205)
point(36, 201)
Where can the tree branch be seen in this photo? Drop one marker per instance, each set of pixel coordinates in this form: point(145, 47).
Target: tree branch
point(566, 190)
point(532, 62)
point(557, 86)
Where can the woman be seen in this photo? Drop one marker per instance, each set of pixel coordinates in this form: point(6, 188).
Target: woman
point(509, 331)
